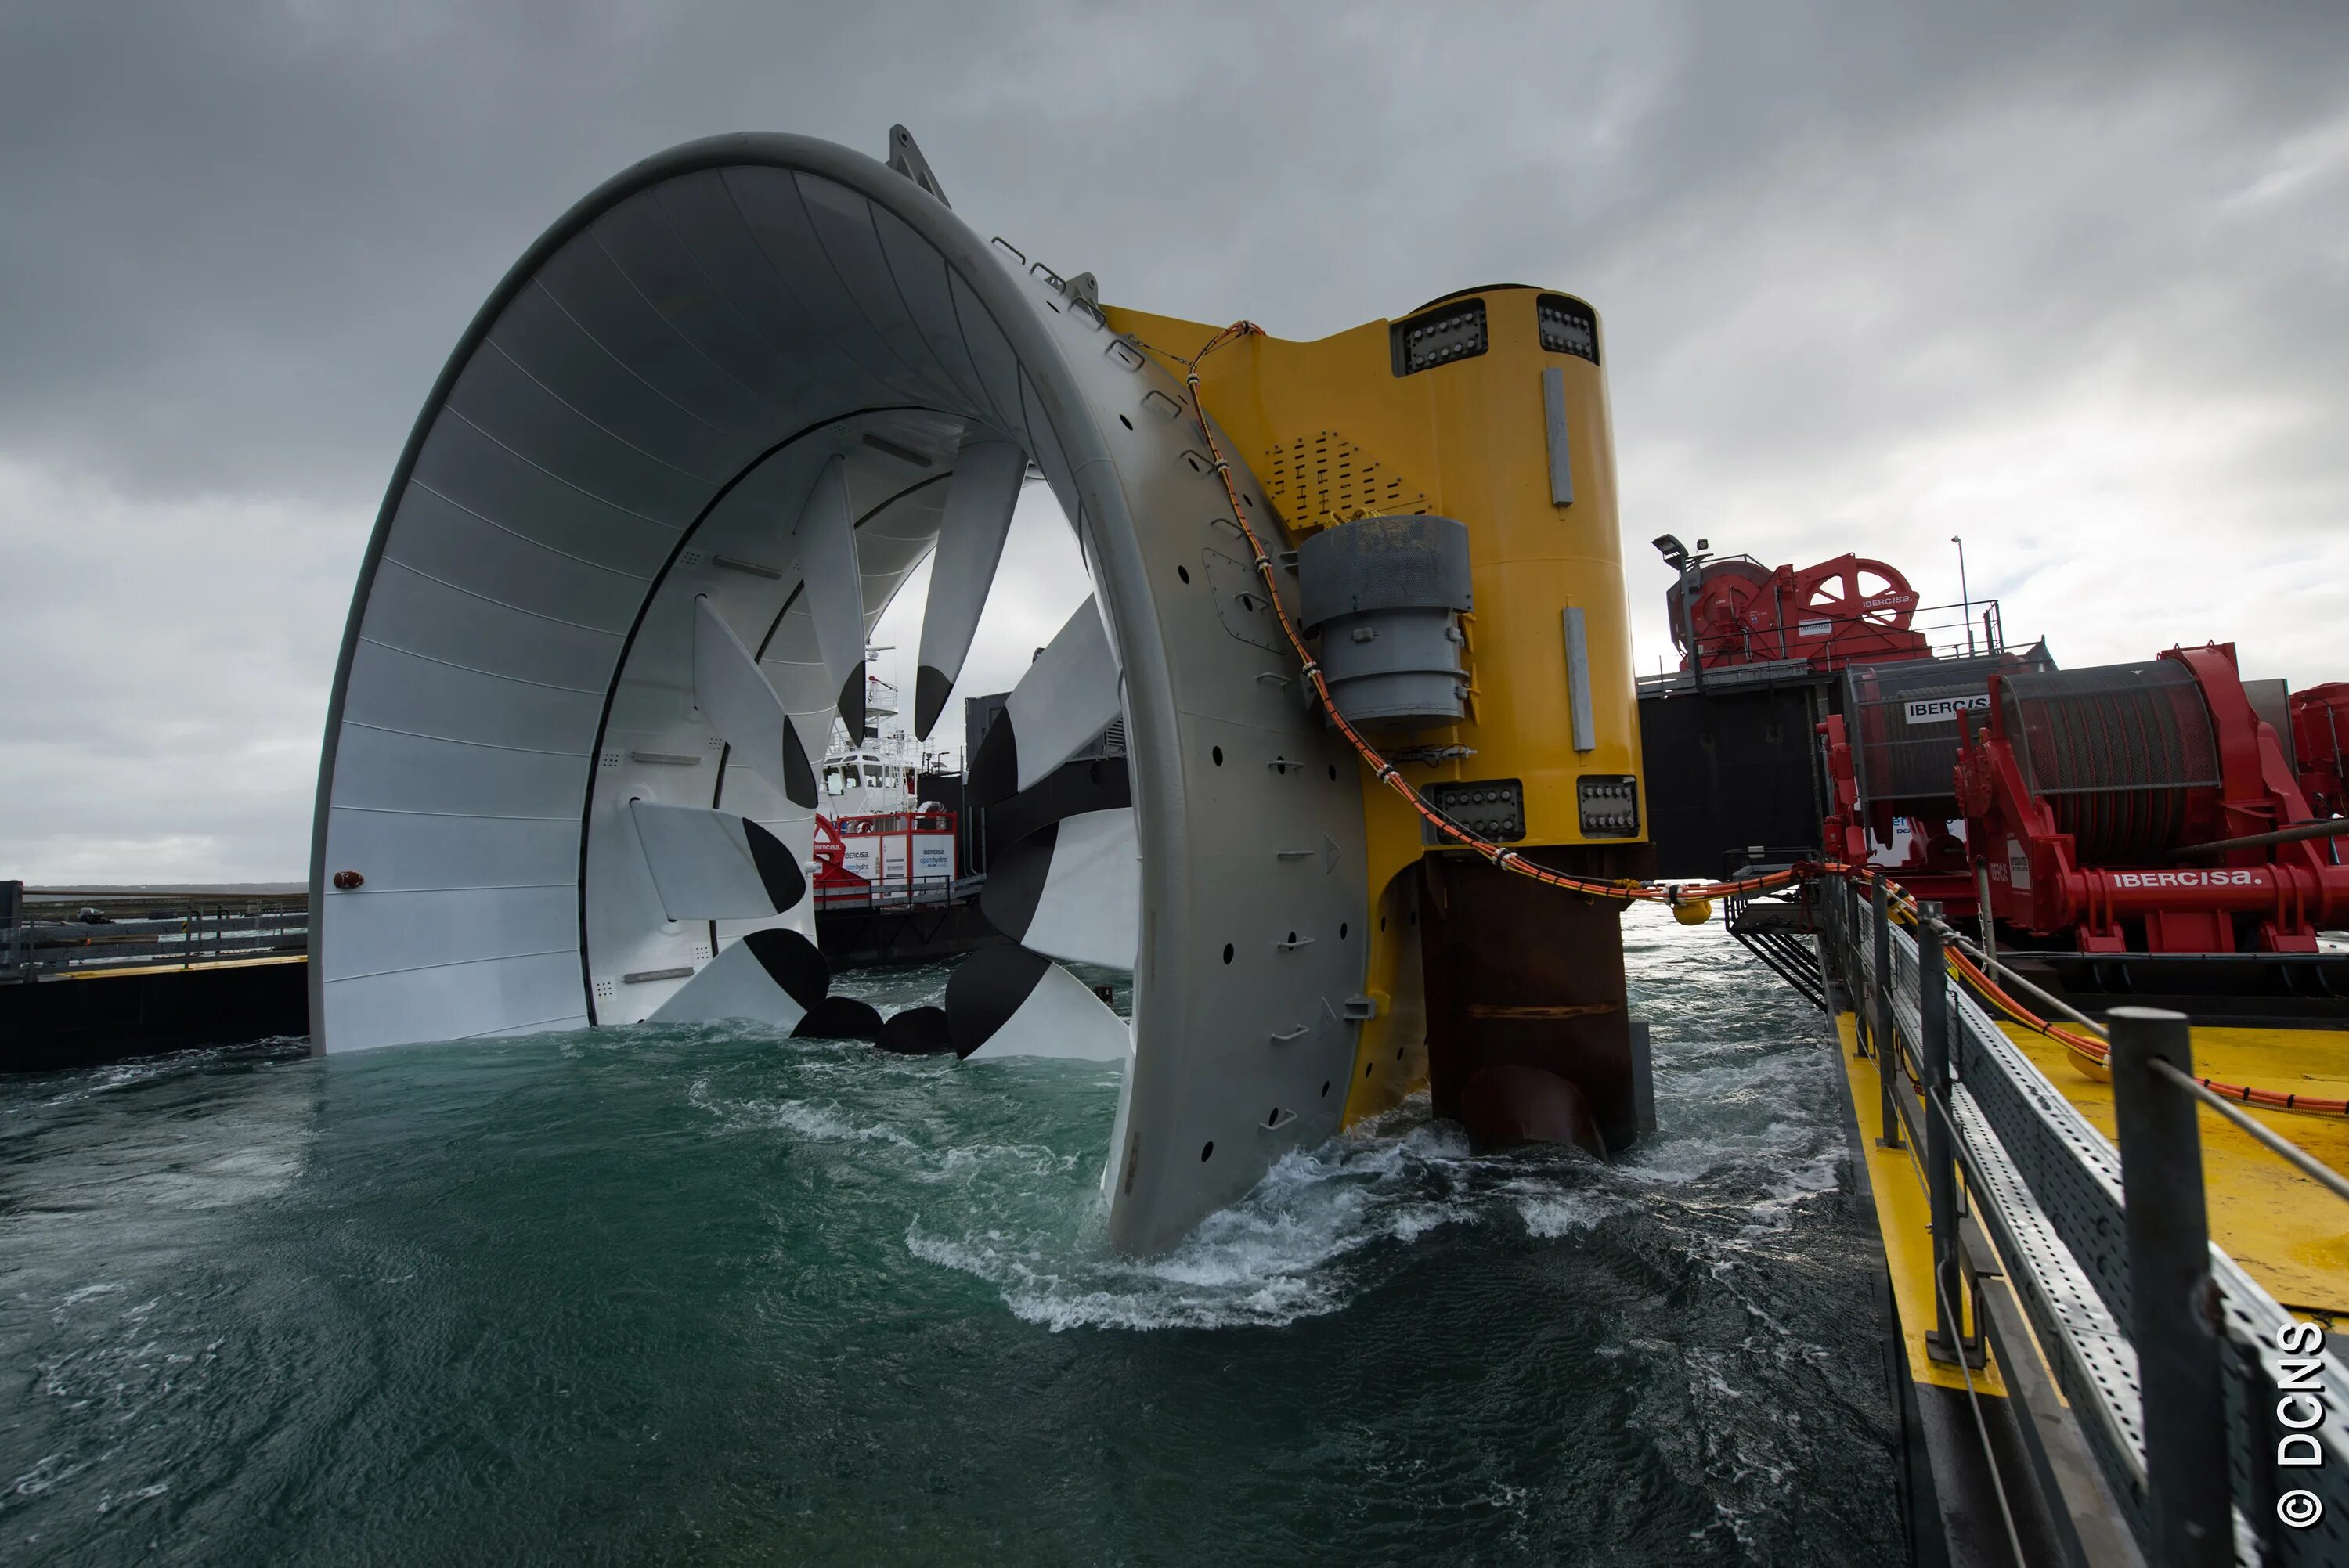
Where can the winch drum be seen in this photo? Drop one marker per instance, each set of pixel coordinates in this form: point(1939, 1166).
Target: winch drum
point(2125, 756)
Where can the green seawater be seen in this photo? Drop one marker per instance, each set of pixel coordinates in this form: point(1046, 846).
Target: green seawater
point(705, 1295)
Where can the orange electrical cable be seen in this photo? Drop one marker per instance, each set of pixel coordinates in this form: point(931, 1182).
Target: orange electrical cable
point(2098, 1054)
point(1387, 772)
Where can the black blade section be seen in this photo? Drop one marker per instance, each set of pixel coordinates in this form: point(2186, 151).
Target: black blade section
point(1015, 882)
point(1099, 784)
point(799, 779)
point(987, 990)
point(779, 869)
point(840, 1018)
point(931, 689)
point(852, 703)
point(917, 1032)
point(995, 773)
point(793, 963)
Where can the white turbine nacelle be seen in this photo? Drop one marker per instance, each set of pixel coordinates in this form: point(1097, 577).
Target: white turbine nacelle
point(624, 575)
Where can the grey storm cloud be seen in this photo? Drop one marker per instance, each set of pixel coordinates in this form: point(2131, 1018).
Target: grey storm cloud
point(2067, 281)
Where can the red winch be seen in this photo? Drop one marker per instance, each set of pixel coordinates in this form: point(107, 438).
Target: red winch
point(1840, 612)
point(2320, 742)
point(2146, 806)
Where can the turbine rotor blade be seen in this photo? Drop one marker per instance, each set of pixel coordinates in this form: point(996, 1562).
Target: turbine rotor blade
point(772, 977)
point(1069, 696)
point(1096, 784)
point(1070, 890)
point(840, 1018)
point(980, 497)
point(917, 1032)
point(836, 590)
point(1009, 1002)
point(714, 865)
point(736, 699)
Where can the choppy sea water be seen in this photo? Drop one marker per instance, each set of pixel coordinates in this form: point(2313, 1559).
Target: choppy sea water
point(705, 1295)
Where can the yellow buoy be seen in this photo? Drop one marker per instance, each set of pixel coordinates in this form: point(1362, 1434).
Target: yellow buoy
point(2094, 1071)
point(1692, 911)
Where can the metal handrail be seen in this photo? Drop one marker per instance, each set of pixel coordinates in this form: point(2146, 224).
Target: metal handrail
point(1886, 989)
point(64, 932)
point(2284, 1148)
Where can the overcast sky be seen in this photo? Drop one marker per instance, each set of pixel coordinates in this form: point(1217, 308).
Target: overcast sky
point(2073, 283)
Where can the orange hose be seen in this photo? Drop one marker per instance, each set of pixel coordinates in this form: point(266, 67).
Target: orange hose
point(2097, 1053)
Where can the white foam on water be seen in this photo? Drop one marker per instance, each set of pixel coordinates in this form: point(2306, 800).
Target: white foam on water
point(820, 1123)
point(1031, 1159)
point(1740, 1121)
point(90, 1292)
point(1272, 1258)
point(1550, 1215)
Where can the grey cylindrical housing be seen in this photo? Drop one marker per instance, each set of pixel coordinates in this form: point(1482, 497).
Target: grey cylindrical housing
point(1385, 595)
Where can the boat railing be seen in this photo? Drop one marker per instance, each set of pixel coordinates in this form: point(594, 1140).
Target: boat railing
point(57, 933)
point(917, 892)
point(1763, 657)
point(2173, 1410)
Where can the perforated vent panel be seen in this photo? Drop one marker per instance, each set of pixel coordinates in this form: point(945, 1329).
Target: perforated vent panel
point(1323, 477)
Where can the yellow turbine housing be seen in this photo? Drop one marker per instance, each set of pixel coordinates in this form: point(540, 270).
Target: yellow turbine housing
point(1490, 408)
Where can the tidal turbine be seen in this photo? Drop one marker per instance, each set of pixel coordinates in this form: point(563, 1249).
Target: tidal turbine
point(1357, 604)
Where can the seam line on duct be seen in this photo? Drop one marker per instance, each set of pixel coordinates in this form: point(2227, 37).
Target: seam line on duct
point(1012, 419)
point(461, 815)
point(456, 413)
point(813, 343)
point(534, 1023)
point(722, 297)
point(589, 419)
point(453, 964)
point(889, 271)
point(469, 669)
point(455, 740)
point(663, 317)
point(822, 329)
point(840, 276)
point(606, 350)
point(817, 328)
point(517, 533)
point(391, 560)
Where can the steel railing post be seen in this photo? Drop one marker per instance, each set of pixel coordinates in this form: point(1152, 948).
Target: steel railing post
point(1989, 922)
point(12, 928)
point(1888, 1047)
point(1863, 988)
point(1946, 1340)
point(1847, 929)
point(1830, 952)
point(2173, 1301)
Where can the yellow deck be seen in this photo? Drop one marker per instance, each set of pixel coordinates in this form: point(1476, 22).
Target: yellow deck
point(1904, 1218)
point(2288, 1233)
